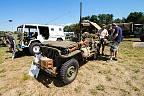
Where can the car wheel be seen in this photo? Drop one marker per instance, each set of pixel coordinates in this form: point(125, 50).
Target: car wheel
point(34, 48)
point(69, 70)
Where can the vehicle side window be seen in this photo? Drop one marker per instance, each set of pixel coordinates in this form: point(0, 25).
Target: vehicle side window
point(60, 29)
point(52, 29)
point(44, 31)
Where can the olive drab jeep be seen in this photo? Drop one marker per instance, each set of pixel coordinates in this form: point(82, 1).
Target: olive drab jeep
point(62, 58)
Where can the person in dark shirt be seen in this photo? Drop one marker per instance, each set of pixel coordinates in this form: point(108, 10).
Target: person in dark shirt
point(10, 41)
point(117, 38)
point(11, 44)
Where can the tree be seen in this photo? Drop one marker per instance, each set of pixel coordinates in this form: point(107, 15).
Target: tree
point(72, 28)
point(136, 17)
point(105, 18)
point(86, 18)
point(118, 20)
point(94, 18)
point(67, 29)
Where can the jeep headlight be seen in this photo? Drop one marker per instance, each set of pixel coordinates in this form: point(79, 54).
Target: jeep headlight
point(37, 58)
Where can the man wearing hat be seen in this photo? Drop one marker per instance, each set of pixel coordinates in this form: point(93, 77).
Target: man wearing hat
point(103, 34)
point(117, 38)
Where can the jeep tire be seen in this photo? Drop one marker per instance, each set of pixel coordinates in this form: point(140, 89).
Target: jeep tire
point(34, 48)
point(69, 70)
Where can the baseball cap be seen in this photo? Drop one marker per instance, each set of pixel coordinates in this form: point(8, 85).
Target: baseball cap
point(114, 24)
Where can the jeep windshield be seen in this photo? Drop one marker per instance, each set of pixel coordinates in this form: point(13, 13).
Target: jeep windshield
point(27, 33)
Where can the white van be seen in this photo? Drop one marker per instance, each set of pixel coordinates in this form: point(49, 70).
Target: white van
point(33, 35)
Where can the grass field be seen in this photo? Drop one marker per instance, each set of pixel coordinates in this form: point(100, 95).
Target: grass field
point(124, 77)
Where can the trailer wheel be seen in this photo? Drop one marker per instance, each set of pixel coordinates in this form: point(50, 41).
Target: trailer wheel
point(69, 70)
point(59, 39)
point(34, 48)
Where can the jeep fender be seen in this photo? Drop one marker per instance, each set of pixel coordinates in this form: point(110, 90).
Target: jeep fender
point(35, 40)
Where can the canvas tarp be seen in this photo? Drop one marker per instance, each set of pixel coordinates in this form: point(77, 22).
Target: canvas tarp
point(88, 23)
point(95, 25)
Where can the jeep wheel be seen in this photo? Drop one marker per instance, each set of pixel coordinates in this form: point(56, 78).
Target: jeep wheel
point(69, 70)
point(34, 48)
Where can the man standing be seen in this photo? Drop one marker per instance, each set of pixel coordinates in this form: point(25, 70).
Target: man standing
point(11, 44)
point(103, 34)
point(117, 38)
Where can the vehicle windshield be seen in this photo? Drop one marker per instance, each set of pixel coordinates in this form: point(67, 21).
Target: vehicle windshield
point(20, 29)
point(28, 33)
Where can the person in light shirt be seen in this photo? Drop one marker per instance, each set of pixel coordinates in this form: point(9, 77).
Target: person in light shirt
point(102, 34)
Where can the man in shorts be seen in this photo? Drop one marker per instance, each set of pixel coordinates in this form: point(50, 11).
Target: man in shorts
point(117, 38)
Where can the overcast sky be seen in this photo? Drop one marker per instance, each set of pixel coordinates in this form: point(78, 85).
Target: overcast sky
point(61, 11)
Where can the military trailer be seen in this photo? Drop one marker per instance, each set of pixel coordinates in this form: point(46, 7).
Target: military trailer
point(131, 29)
point(63, 58)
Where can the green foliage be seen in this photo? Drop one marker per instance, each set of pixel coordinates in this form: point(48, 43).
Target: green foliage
point(105, 18)
point(77, 89)
point(67, 29)
point(136, 17)
point(25, 77)
point(100, 87)
point(108, 78)
point(2, 33)
point(118, 20)
point(94, 18)
point(2, 71)
point(72, 28)
point(100, 19)
point(86, 18)
point(93, 92)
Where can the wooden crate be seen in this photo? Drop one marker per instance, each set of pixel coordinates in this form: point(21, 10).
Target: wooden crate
point(46, 63)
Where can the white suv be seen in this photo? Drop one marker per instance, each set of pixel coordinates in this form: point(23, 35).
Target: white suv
point(32, 35)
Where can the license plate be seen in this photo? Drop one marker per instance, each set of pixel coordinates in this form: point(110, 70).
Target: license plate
point(34, 71)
